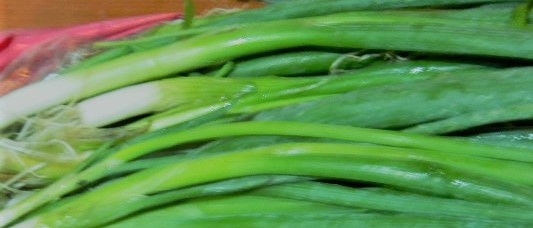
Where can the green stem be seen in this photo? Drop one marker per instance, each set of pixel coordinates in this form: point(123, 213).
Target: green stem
point(286, 64)
point(496, 15)
point(100, 58)
point(349, 82)
point(401, 105)
point(167, 138)
point(308, 8)
point(510, 138)
point(395, 33)
point(320, 218)
point(391, 200)
point(331, 161)
point(469, 120)
point(224, 187)
point(181, 214)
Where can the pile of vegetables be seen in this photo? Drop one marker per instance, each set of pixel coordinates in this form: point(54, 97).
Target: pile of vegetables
point(330, 113)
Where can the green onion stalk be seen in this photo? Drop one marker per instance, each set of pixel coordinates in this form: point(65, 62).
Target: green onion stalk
point(383, 199)
point(181, 99)
point(329, 161)
point(301, 9)
point(343, 30)
point(167, 138)
point(447, 104)
point(503, 14)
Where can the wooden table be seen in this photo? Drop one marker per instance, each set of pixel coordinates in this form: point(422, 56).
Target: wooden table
point(58, 13)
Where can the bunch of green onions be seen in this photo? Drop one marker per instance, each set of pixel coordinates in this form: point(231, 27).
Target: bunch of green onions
point(330, 113)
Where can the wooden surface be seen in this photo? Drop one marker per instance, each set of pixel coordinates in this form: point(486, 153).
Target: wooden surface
point(59, 13)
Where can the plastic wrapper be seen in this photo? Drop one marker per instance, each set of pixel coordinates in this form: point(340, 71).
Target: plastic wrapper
point(27, 56)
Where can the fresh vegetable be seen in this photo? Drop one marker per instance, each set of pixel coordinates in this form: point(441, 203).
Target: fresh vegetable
point(370, 32)
point(323, 113)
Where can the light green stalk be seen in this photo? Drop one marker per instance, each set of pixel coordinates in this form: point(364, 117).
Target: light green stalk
point(158, 96)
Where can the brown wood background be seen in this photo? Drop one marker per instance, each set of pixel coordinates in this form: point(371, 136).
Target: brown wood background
point(58, 13)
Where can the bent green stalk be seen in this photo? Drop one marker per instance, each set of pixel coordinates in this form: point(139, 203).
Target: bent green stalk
point(395, 33)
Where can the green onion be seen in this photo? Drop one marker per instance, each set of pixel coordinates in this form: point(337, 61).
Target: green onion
point(351, 162)
point(315, 219)
point(228, 211)
point(390, 200)
point(167, 138)
point(410, 34)
point(302, 113)
point(440, 105)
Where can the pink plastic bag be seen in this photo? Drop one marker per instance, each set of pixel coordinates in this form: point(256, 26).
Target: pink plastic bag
point(27, 56)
